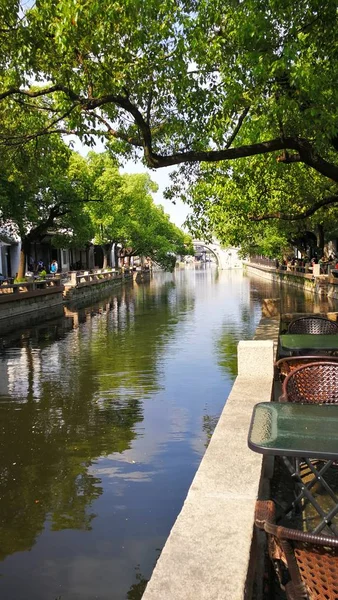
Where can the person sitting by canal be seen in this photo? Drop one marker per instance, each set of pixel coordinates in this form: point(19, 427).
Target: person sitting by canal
point(54, 267)
point(41, 266)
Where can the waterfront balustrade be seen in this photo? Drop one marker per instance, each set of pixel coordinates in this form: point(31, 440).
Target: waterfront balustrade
point(69, 279)
point(30, 286)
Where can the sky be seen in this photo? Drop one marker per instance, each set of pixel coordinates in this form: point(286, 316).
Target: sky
point(177, 212)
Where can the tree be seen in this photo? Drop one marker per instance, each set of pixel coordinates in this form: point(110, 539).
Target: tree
point(120, 202)
point(188, 81)
point(107, 212)
point(148, 229)
point(40, 191)
point(261, 205)
point(123, 212)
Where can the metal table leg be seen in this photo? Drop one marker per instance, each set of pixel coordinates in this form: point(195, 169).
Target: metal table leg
point(305, 493)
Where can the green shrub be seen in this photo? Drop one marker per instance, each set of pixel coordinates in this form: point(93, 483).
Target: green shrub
point(43, 274)
point(20, 279)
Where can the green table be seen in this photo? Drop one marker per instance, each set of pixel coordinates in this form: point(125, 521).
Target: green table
point(286, 429)
point(296, 342)
point(304, 432)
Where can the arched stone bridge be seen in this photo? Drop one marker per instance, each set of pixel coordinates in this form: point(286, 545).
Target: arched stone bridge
point(227, 258)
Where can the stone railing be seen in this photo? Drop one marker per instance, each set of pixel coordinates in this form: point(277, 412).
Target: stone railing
point(76, 279)
point(30, 286)
point(262, 260)
point(307, 270)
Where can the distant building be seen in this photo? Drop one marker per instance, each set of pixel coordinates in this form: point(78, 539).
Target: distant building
point(10, 247)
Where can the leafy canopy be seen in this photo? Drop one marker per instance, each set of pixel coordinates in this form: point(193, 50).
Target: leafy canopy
point(261, 205)
point(186, 81)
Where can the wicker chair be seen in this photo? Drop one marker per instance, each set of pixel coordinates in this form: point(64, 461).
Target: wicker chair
point(306, 564)
point(317, 325)
point(288, 364)
point(314, 383)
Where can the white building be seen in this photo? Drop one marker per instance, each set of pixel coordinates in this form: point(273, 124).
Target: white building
point(10, 247)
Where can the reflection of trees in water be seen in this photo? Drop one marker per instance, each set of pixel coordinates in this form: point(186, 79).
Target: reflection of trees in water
point(69, 403)
point(293, 299)
point(137, 590)
point(208, 426)
point(226, 349)
point(48, 448)
point(231, 334)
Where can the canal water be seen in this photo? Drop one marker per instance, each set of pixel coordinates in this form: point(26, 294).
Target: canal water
point(104, 417)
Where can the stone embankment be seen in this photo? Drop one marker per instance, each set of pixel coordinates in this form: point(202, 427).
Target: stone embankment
point(87, 287)
point(326, 286)
point(31, 302)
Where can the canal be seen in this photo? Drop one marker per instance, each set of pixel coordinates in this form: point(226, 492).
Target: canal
point(105, 415)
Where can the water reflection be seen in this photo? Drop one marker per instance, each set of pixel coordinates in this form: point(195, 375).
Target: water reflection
point(65, 404)
point(105, 415)
point(293, 300)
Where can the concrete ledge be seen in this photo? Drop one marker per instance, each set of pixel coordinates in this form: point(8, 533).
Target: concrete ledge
point(248, 365)
point(207, 554)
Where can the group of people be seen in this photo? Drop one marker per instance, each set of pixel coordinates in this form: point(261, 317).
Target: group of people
point(40, 266)
point(309, 262)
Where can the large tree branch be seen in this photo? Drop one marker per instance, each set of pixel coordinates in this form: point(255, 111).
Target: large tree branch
point(194, 156)
point(303, 148)
point(305, 154)
point(296, 217)
point(305, 151)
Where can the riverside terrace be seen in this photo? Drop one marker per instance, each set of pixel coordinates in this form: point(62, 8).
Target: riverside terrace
point(214, 549)
point(63, 281)
point(33, 301)
point(324, 286)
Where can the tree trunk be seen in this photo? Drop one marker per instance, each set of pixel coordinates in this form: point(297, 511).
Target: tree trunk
point(116, 256)
point(23, 258)
point(320, 239)
point(122, 253)
point(106, 253)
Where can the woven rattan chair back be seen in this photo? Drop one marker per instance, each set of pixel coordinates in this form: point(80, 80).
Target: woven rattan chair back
point(317, 325)
point(315, 383)
point(311, 560)
point(285, 365)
